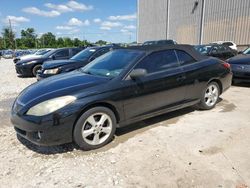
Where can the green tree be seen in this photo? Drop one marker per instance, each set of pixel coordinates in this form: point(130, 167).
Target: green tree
point(101, 42)
point(77, 42)
point(9, 38)
point(68, 42)
point(28, 38)
point(60, 42)
point(1, 43)
point(85, 43)
point(48, 40)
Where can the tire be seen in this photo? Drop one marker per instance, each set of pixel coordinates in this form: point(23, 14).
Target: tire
point(95, 128)
point(35, 69)
point(209, 96)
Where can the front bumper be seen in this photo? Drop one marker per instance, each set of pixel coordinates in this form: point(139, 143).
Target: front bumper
point(24, 70)
point(44, 132)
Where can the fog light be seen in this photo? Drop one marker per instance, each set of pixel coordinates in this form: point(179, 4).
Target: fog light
point(39, 134)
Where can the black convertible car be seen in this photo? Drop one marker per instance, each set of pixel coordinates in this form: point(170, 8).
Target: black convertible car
point(29, 67)
point(216, 50)
point(120, 87)
point(51, 68)
point(241, 67)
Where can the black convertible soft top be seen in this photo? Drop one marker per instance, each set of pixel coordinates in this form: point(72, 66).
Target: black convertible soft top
point(184, 47)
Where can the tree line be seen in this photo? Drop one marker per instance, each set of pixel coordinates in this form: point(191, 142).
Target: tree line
point(29, 39)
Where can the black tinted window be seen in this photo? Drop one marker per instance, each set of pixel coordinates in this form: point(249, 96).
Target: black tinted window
point(228, 43)
point(159, 61)
point(184, 58)
point(62, 53)
point(75, 51)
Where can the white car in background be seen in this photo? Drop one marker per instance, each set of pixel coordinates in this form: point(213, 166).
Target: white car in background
point(38, 54)
point(230, 44)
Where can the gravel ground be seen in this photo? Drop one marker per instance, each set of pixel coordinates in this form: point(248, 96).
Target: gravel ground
point(186, 148)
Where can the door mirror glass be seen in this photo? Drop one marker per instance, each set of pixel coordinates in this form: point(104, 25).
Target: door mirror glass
point(137, 73)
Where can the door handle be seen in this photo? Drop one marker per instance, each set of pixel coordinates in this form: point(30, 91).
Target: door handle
point(180, 78)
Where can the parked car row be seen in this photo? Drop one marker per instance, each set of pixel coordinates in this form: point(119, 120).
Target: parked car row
point(29, 66)
point(51, 68)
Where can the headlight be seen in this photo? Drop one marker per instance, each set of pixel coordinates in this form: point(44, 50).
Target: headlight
point(51, 71)
point(27, 63)
point(50, 106)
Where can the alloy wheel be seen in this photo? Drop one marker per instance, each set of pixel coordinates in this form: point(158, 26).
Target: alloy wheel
point(97, 128)
point(211, 95)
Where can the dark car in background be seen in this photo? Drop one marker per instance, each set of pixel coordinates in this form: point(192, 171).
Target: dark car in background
point(116, 89)
point(30, 66)
point(37, 54)
point(216, 50)
point(240, 65)
point(81, 59)
point(159, 42)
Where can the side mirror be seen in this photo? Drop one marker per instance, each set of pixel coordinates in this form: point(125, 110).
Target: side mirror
point(53, 57)
point(137, 73)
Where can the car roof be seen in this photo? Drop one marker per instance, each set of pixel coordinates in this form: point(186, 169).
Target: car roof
point(155, 48)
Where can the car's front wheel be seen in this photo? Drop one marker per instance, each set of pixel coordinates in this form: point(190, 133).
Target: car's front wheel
point(210, 96)
point(95, 128)
point(35, 69)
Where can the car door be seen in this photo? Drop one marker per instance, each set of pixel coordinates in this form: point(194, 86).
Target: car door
point(161, 88)
point(61, 54)
point(193, 73)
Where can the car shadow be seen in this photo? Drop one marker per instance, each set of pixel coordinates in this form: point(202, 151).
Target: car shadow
point(121, 135)
point(242, 84)
point(23, 76)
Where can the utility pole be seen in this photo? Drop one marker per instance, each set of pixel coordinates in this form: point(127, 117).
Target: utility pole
point(202, 21)
point(11, 33)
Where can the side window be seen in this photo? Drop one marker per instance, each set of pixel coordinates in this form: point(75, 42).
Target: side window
point(184, 58)
point(215, 50)
point(159, 61)
point(62, 53)
point(75, 51)
point(222, 48)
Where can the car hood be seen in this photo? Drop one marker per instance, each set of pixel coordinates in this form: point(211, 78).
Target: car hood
point(37, 59)
point(57, 63)
point(240, 59)
point(31, 56)
point(60, 85)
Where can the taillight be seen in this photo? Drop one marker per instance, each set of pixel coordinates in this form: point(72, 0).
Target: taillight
point(226, 65)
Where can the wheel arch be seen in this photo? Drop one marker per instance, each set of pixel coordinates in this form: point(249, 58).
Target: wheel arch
point(218, 82)
point(100, 104)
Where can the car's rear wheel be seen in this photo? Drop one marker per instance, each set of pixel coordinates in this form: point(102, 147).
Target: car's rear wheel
point(35, 69)
point(210, 96)
point(95, 128)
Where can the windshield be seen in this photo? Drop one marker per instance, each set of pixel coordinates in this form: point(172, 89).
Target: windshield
point(112, 63)
point(149, 43)
point(85, 54)
point(42, 52)
point(246, 51)
point(203, 49)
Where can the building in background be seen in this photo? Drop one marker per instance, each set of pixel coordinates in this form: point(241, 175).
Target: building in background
point(194, 21)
